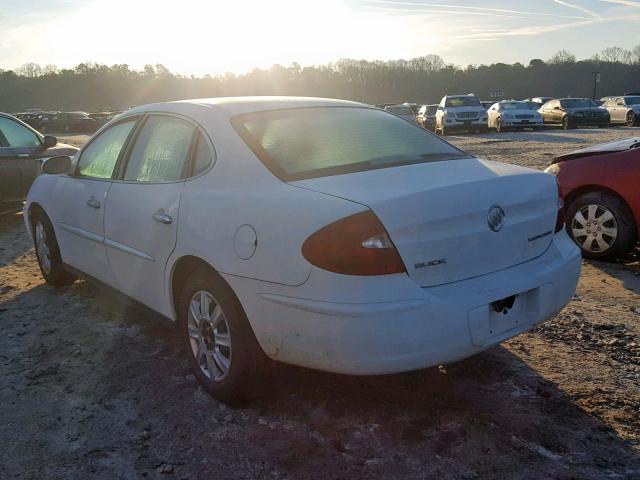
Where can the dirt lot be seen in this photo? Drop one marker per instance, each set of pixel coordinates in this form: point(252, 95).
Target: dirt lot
point(95, 386)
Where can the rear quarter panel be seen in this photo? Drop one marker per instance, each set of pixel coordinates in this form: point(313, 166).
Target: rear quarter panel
point(240, 191)
point(619, 172)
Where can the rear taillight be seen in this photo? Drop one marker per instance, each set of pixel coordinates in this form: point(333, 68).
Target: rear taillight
point(560, 217)
point(355, 245)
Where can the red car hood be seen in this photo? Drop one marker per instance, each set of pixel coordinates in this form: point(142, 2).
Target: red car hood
point(603, 148)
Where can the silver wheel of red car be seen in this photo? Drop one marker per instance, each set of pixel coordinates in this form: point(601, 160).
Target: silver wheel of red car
point(594, 228)
point(601, 224)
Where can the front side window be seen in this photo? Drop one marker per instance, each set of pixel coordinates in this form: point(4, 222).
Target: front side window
point(17, 135)
point(314, 142)
point(160, 151)
point(99, 157)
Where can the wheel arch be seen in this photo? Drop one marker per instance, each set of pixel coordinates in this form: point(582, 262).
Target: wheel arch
point(181, 269)
point(33, 208)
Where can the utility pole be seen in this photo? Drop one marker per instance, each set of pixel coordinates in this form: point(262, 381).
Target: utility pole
point(596, 80)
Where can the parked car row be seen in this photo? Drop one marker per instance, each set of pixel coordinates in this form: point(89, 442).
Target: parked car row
point(457, 113)
point(65, 122)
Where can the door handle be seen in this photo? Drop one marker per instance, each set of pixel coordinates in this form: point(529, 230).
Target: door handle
point(23, 155)
point(93, 203)
point(162, 217)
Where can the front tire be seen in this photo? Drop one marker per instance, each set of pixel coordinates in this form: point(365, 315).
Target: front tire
point(566, 124)
point(601, 225)
point(631, 119)
point(48, 252)
point(223, 352)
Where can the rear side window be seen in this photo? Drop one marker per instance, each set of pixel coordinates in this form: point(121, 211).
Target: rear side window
point(100, 156)
point(313, 142)
point(201, 156)
point(160, 151)
point(17, 135)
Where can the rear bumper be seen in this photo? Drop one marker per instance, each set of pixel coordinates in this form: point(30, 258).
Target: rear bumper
point(379, 325)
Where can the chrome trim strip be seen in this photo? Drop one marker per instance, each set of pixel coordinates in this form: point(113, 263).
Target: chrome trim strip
point(81, 233)
point(127, 249)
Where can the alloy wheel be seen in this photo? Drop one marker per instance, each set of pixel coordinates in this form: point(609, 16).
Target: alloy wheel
point(42, 247)
point(594, 228)
point(631, 119)
point(209, 335)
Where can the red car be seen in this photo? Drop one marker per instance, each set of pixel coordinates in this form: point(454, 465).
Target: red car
point(601, 189)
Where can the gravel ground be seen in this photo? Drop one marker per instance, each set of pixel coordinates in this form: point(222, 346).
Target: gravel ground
point(93, 385)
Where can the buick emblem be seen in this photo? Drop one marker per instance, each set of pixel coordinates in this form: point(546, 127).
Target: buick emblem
point(495, 218)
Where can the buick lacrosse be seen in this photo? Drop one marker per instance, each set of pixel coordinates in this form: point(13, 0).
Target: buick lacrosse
point(321, 233)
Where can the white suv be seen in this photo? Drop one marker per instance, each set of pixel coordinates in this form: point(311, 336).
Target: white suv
point(461, 112)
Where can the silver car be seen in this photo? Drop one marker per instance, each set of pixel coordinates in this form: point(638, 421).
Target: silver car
point(624, 110)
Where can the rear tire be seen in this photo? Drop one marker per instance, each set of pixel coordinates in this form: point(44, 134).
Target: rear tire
point(222, 349)
point(611, 235)
point(47, 251)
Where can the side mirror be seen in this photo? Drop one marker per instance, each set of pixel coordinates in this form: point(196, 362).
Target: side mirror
point(56, 165)
point(49, 141)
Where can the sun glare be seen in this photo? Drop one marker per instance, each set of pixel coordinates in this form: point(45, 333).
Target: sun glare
point(219, 36)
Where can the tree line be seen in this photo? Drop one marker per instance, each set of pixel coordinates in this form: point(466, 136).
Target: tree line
point(425, 79)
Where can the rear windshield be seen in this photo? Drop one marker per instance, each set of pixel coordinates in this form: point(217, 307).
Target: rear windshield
point(400, 110)
point(305, 143)
point(632, 100)
point(462, 102)
point(577, 103)
point(515, 106)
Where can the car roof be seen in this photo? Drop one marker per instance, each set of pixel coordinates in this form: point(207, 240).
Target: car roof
point(231, 106)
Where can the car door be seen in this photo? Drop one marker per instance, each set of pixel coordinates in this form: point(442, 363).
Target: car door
point(544, 111)
point(18, 166)
point(620, 111)
point(493, 112)
point(78, 214)
point(9, 179)
point(143, 206)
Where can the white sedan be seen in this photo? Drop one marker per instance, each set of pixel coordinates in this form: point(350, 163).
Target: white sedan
point(321, 233)
point(511, 114)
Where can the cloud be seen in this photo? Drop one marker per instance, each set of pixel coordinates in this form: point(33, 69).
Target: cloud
point(464, 9)
point(627, 3)
point(576, 7)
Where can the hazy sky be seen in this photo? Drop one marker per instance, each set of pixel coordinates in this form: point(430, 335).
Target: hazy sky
point(195, 36)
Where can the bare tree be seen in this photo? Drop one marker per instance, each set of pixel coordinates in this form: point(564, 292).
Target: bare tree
point(563, 57)
point(616, 55)
point(635, 54)
point(30, 70)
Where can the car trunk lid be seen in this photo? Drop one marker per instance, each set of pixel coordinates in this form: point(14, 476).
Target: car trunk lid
point(437, 214)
